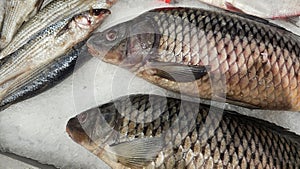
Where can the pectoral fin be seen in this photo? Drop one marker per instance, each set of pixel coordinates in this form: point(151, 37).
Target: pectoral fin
point(138, 153)
point(179, 72)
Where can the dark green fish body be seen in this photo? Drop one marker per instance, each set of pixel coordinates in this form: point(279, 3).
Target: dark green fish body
point(150, 131)
point(208, 53)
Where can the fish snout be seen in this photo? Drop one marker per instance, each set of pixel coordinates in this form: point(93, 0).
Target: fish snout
point(74, 127)
point(92, 49)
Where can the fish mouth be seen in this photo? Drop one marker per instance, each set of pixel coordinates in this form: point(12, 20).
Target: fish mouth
point(75, 130)
point(92, 50)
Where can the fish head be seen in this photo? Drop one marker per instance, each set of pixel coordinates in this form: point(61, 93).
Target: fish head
point(102, 131)
point(91, 18)
point(127, 45)
point(93, 129)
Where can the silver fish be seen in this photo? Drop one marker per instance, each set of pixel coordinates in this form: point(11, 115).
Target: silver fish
point(49, 76)
point(150, 131)
point(53, 12)
point(27, 62)
point(17, 12)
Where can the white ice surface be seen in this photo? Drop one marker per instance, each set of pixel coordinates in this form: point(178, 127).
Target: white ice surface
point(9, 163)
point(35, 128)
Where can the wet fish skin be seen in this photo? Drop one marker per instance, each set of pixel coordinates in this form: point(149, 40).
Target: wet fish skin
point(50, 76)
point(17, 12)
point(26, 63)
point(181, 134)
point(252, 62)
point(52, 13)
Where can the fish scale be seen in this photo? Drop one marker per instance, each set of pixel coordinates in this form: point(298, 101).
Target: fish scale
point(253, 62)
point(191, 135)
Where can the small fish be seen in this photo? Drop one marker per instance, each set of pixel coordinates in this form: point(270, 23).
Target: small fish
point(208, 53)
point(49, 76)
point(17, 12)
point(52, 13)
point(27, 62)
point(150, 131)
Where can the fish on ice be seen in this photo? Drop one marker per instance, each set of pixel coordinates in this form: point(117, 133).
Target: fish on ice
point(29, 62)
point(209, 53)
point(52, 13)
point(150, 131)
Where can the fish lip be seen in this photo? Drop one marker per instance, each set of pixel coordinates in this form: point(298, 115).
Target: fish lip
point(92, 50)
point(74, 125)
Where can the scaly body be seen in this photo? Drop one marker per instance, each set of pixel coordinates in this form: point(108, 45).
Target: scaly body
point(208, 53)
point(157, 132)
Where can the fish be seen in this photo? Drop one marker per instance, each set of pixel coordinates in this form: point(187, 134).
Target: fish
point(151, 131)
point(16, 13)
point(49, 76)
point(208, 53)
point(27, 62)
point(52, 13)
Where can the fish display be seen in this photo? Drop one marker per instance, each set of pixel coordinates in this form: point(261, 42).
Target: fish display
point(208, 53)
point(17, 12)
point(52, 13)
point(151, 131)
point(28, 62)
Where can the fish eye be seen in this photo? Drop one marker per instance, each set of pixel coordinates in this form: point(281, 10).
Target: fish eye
point(97, 12)
point(111, 35)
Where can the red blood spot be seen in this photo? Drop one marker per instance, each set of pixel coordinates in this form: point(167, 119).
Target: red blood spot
point(230, 7)
point(168, 1)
